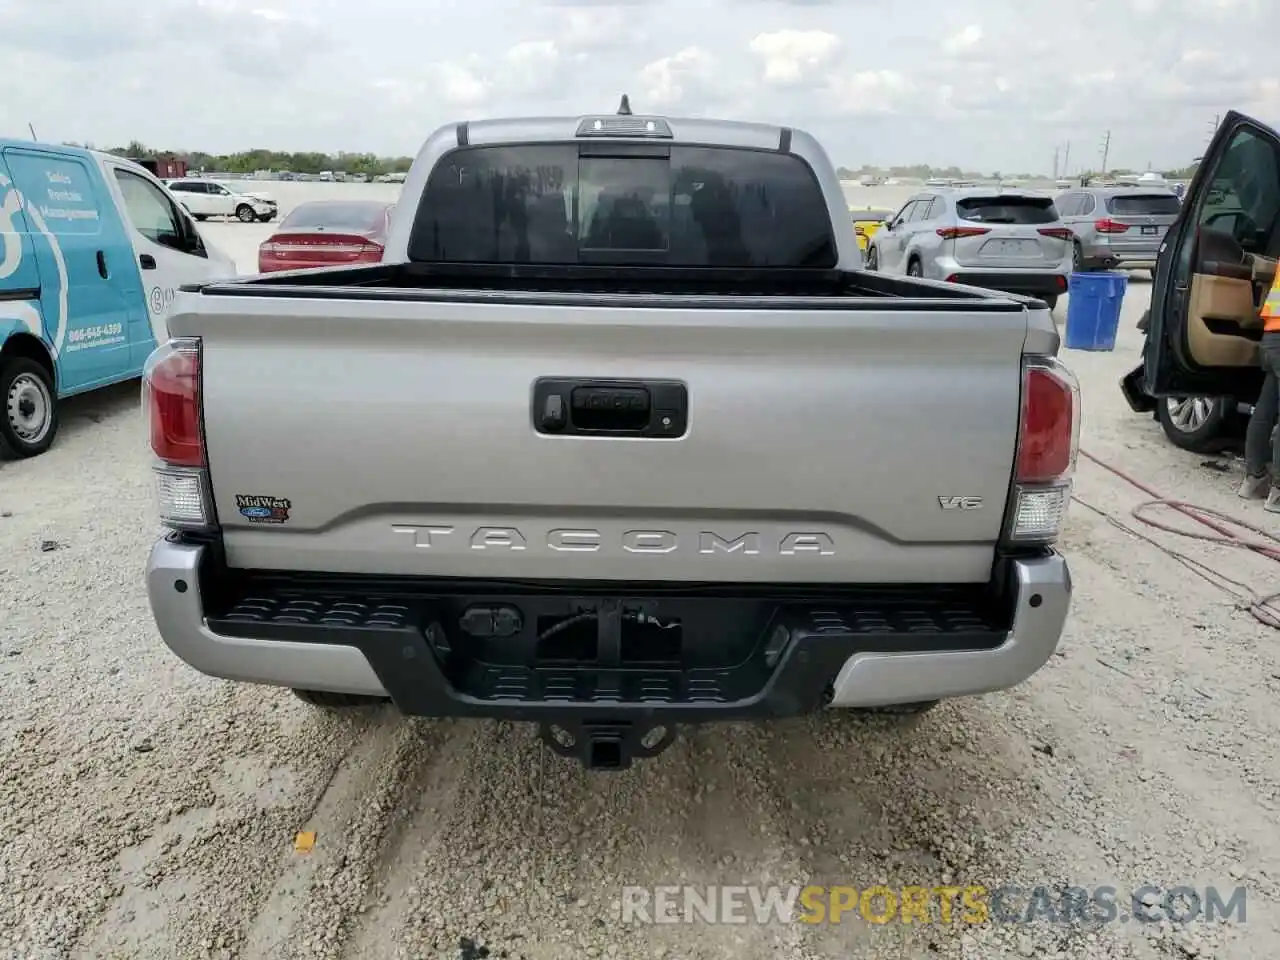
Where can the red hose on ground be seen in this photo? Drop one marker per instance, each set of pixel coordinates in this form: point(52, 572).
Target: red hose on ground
point(1209, 518)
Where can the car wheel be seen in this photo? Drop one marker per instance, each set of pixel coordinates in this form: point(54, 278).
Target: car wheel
point(914, 269)
point(29, 418)
point(1197, 424)
point(1077, 258)
point(245, 213)
point(873, 259)
point(337, 701)
point(202, 217)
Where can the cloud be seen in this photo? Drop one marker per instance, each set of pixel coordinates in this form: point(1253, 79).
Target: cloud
point(795, 57)
point(597, 29)
point(462, 83)
point(864, 92)
point(675, 80)
point(533, 67)
point(993, 84)
point(963, 42)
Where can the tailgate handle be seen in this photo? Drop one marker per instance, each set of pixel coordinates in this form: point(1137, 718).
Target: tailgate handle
point(618, 408)
point(610, 408)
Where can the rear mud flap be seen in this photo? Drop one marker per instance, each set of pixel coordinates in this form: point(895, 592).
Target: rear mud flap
point(1134, 388)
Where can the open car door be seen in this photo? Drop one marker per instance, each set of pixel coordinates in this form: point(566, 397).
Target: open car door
point(1215, 269)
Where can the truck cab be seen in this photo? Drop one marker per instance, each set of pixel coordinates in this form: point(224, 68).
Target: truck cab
point(92, 250)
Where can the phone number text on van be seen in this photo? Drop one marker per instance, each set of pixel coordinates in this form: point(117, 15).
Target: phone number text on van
point(102, 335)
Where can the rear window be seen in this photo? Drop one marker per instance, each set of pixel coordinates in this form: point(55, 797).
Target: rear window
point(1007, 209)
point(346, 216)
point(697, 207)
point(1144, 205)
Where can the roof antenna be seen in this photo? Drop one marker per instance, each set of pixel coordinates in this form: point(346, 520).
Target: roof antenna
point(624, 108)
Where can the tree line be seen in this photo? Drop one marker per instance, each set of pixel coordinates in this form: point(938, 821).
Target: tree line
point(921, 171)
point(249, 161)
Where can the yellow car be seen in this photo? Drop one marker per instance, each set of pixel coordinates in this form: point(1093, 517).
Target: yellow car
point(866, 223)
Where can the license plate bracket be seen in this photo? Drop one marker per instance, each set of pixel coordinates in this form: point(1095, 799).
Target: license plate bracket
point(1149, 231)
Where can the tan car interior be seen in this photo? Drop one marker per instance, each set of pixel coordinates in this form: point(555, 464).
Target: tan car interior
point(1228, 287)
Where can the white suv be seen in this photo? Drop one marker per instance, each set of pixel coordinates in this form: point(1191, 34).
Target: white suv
point(213, 198)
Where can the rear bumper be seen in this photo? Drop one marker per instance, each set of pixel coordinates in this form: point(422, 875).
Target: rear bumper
point(852, 648)
point(1119, 257)
point(1033, 283)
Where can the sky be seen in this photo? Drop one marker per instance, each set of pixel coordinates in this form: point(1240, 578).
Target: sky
point(990, 85)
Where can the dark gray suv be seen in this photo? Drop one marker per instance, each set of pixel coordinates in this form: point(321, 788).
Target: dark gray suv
point(1118, 227)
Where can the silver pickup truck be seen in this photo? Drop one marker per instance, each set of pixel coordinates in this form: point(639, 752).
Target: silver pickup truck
point(620, 437)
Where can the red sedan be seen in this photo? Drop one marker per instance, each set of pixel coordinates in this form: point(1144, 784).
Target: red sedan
point(327, 233)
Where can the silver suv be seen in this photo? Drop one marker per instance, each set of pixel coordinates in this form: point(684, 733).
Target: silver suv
point(1118, 227)
point(1010, 240)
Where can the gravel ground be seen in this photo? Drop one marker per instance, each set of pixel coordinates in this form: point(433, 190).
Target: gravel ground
point(147, 811)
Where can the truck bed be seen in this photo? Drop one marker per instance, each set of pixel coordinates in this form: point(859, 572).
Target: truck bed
point(830, 416)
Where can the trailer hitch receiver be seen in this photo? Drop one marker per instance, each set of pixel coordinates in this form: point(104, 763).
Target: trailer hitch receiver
point(603, 745)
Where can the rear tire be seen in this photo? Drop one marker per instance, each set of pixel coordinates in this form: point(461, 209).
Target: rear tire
point(873, 259)
point(1077, 258)
point(1198, 424)
point(202, 217)
point(914, 269)
point(338, 701)
point(28, 408)
point(245, 214)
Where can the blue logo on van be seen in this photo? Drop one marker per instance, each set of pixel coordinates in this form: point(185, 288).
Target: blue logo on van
point(255, 512)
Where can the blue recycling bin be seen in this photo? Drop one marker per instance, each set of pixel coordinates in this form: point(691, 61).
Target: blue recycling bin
point(1093, 310)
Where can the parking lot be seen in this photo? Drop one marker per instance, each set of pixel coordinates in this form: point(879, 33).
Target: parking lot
point(148, 811)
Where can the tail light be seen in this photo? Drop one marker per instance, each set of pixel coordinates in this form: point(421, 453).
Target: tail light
point(955, 233)
point(1058, 233)
point(1107, 225)
point(175, 433)
point(1060, 282)
point(289, 251)
point(1048, 441)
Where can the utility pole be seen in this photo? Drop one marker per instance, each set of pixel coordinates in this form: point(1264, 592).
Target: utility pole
point(1066, 161)
point(1106, 149)
point(1217, 118)
point(1055, 163)
point(33, 131)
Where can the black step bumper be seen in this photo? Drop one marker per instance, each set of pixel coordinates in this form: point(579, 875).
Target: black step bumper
point(743, 652)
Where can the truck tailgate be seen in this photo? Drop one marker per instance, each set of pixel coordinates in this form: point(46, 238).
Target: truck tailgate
point(823, 445)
